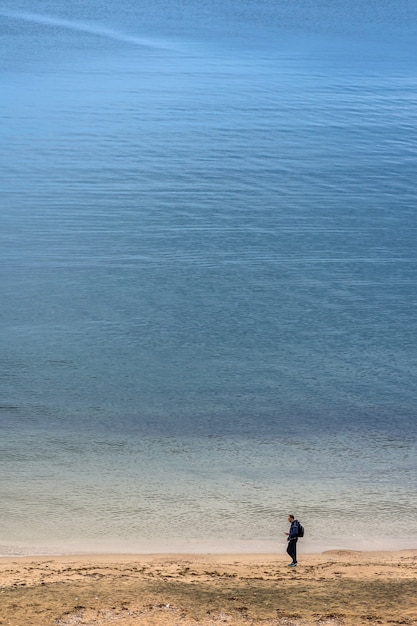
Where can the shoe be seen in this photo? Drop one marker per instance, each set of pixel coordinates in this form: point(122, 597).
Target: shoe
point(292, 564)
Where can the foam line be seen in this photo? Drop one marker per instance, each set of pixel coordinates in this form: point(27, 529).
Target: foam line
point(90, 27)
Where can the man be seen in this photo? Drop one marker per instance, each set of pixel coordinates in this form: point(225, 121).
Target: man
point(292, 540)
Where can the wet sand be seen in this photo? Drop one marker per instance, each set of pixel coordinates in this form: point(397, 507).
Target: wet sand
point(331, 588)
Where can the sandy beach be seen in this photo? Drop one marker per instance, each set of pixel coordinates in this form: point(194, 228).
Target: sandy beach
point(334, 587)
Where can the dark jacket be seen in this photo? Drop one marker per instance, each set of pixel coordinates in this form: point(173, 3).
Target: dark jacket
point(293, 534)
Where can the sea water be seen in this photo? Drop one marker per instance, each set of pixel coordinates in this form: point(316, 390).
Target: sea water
point(207, 275)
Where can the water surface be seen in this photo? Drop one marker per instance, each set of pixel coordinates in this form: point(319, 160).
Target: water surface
point(208, 295)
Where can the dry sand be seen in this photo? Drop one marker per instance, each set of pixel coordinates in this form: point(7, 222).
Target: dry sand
point(332, 588)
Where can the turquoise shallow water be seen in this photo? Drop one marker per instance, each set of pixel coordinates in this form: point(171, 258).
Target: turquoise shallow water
point(208, 295)
point(100, 493)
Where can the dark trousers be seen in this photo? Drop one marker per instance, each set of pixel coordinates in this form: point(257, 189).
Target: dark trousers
point(292, 549)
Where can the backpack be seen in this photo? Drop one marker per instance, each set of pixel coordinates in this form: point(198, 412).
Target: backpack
point(300, 530)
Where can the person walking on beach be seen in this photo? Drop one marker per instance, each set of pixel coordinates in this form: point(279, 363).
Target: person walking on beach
point(292, 540)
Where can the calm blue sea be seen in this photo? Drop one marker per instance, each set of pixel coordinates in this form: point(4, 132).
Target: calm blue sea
point(208, 294)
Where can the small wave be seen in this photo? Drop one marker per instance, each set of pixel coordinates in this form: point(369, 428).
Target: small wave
point(86, 27)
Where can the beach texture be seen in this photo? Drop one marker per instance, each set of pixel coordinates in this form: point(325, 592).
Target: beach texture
point(332, 588)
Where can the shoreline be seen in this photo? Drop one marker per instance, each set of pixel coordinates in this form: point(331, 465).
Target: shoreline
point(334, 587)
point(220, 556)
point(306, 546)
